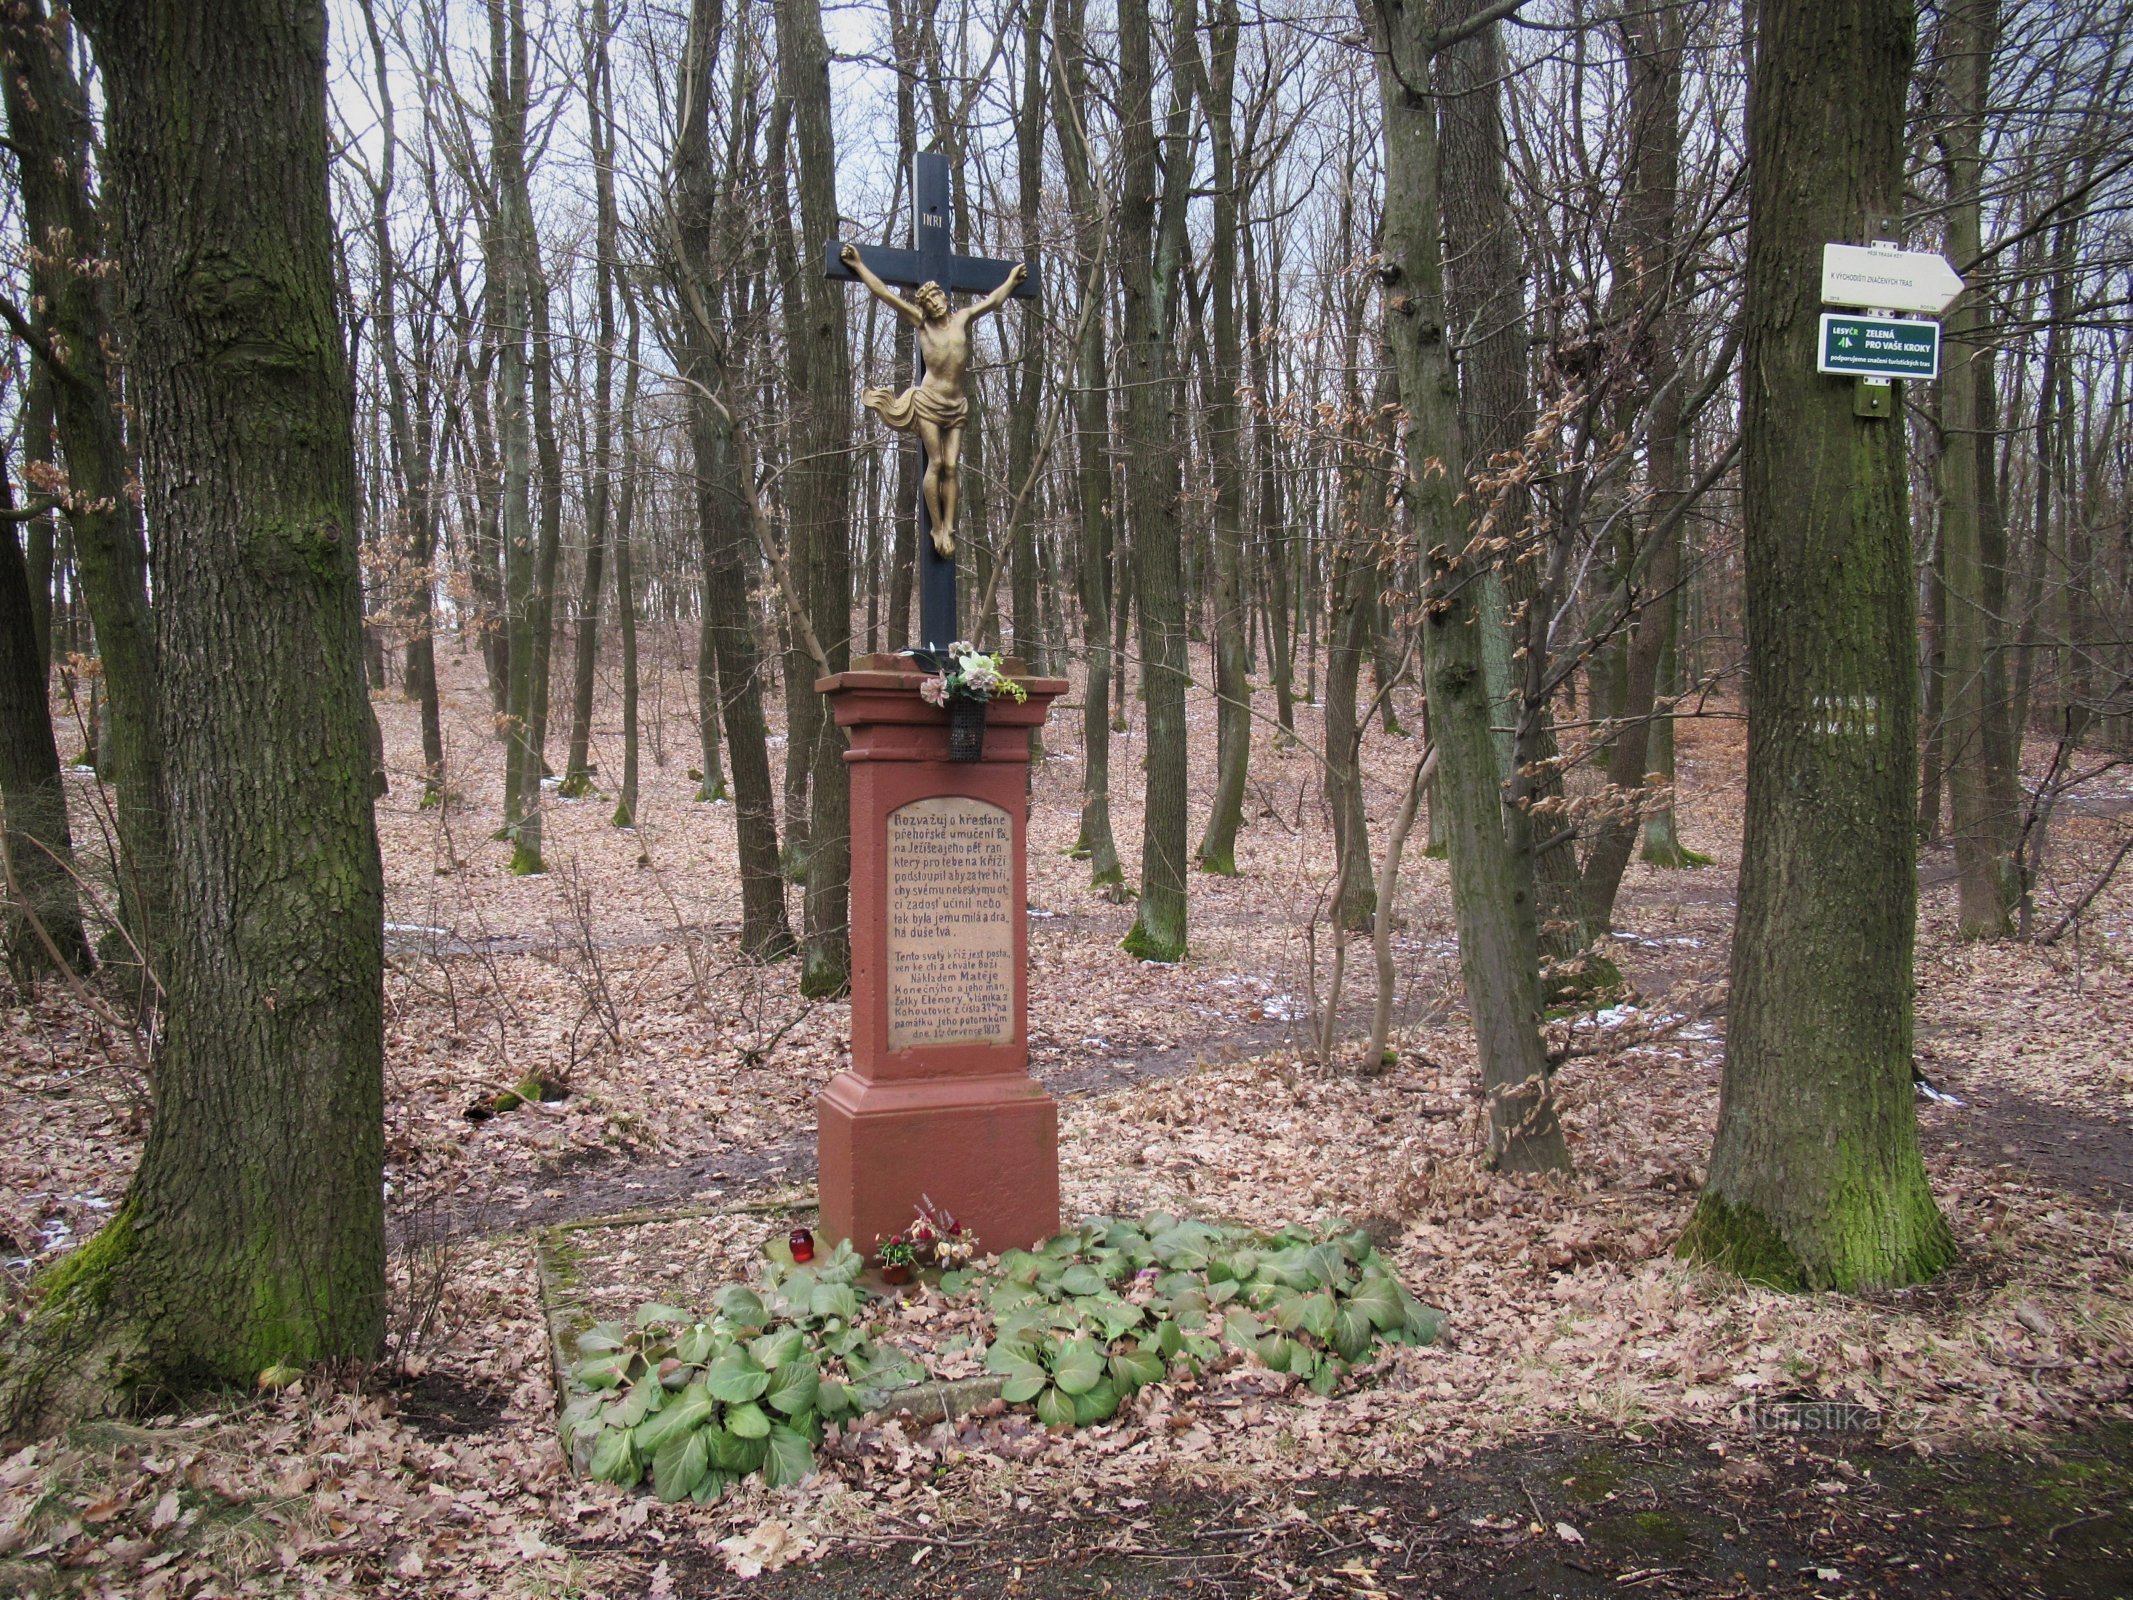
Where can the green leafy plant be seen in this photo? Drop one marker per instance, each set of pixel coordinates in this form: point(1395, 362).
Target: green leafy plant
point(1096, 1314)
point(700, 1403)
point(1079, 1326)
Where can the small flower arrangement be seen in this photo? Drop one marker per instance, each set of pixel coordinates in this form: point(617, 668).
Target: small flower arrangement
point(933, 1238)
point(939, 1236)
point(967, 673)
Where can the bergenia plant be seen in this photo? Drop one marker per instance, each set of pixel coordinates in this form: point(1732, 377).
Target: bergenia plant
point(969, 674)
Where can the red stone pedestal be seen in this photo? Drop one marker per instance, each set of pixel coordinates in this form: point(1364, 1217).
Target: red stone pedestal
point(939, 1101)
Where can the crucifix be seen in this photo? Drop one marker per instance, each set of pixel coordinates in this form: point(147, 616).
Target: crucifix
point(935, 407)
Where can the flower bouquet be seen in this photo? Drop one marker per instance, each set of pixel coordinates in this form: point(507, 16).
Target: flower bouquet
point(965, 679)
point(932, 1238)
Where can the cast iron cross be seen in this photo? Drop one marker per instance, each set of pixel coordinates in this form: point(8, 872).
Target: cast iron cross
point(931, 260)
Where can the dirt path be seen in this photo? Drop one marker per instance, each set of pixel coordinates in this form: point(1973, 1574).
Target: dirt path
point(1567, 1515)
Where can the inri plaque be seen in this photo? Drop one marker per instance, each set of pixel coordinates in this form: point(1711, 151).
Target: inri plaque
point(951, 924)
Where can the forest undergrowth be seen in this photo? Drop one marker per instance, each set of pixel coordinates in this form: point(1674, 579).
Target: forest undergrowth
point(687, 1076)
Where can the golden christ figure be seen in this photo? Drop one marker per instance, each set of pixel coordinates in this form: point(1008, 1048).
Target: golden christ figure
point(936, 407)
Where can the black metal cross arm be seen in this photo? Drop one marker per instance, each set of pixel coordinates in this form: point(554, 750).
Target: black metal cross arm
point(907, 269)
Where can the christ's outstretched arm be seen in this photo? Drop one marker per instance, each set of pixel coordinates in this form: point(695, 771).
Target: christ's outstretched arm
point(850, 256)
point(998, 297)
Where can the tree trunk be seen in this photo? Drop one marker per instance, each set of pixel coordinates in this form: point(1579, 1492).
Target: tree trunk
point(1092, 434)
point(1662, 836)
point(1497, 956)
point(820, 495)
point(509, 299)
point(723, 513)
point(1653, 44)
point(1485, 276)
point(1935, 673)
point(625, 580)
point(1151, 233)
point(577, 774)
point(1274, 539)
point(41, 928)
point(253, 1232)
point(38, 428)
point(411, 430)
point(1027, 401)
point(903, 513)
point(1815, 1178)
point(1982, 825)
point(548, 462)
point(1225, 443)
point(74, 324)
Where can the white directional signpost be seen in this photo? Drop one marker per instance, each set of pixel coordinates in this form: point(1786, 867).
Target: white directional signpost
point(1888, 279)
point(1875, 345)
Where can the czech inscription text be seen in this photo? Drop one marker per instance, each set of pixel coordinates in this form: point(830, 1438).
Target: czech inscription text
point(951, 924)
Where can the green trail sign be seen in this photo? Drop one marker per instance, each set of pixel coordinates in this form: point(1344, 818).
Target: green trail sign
point(1879, 347)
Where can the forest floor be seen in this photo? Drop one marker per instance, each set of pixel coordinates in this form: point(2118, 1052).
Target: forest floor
point(1586, 1426)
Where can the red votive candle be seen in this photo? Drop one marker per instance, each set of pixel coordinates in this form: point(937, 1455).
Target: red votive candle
point(803, 1245)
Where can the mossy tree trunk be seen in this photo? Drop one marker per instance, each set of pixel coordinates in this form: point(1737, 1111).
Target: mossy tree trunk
point(253, 1231)
point(1490, 898)
point(1815, 1178)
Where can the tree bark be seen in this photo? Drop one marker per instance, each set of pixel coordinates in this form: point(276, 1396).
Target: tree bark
point(1485, 275)
point(1983, 819)
point(820, 497)
point(509, 297)
point(723, 513)
point(1816, 1179)
point(41, 929)
point(76, 340)
point(1497, 956)
point(253, 1231)
point(1092, 436)
point(599, 498)
point(411, 431)
point(1225, 444)
point(1151, 256)
point(1653, 45)
point(625, 580)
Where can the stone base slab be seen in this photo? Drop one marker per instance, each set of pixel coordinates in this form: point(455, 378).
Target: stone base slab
point(984, 1148)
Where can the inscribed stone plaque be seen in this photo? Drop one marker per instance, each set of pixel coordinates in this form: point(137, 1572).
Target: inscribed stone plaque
point(951, 924)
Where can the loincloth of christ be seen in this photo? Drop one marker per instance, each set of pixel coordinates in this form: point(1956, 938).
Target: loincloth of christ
point(905, 411)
